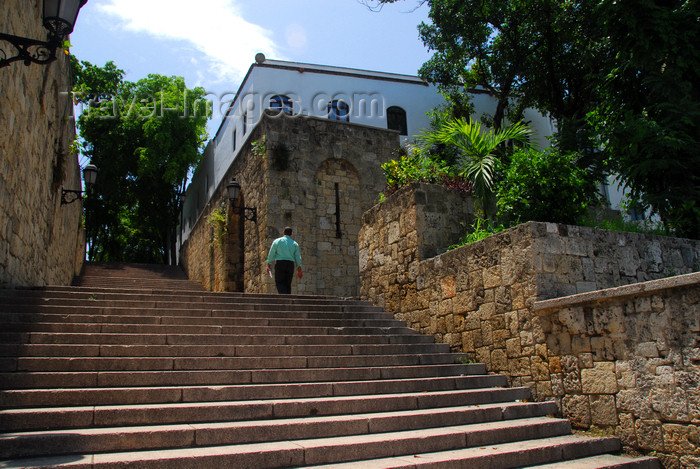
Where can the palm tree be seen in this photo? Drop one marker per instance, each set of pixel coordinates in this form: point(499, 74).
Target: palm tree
point(477, 161)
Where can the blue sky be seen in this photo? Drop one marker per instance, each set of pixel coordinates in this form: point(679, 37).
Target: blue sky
point(212, 43)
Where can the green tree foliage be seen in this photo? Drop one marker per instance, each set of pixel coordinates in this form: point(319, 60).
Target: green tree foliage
point(621, 78)
point(477, 160)
point(145, 138)
point(544, 186)
point(649, 106)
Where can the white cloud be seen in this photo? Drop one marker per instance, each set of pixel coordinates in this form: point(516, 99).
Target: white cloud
point(214, 27)
point(296, 36)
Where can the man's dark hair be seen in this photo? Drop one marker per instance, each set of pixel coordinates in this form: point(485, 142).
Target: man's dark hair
point(288, 230)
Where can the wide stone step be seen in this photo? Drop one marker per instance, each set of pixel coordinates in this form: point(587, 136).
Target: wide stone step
point(137, 316)
point(105, 269)
point(145, 292)
point(528, 453)
point(82, 350)
point(520, 419)
point(33, 419)
point(203, 310)
point(141, 363)
point(131, 282)
point(9, 351)
point(195, 300)
point(222, 338)
point(457, 446)
point(31, 380)
point(462, 387)
point(14, 332)
point(234, 325)
point(192, 327)
point(53, 295)
point(605, 460)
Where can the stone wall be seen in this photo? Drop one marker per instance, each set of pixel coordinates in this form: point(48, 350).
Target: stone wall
point(481, 298)
point(628, 358)
point(41, 241)
point(297, 171)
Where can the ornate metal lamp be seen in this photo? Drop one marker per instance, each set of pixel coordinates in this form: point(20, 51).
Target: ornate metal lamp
point(69, 196)
point(234, 189)
point(59, 19)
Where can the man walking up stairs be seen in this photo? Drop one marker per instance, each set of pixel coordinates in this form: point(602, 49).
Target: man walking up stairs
point(135, 366)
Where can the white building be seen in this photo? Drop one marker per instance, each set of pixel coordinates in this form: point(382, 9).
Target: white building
point(377, 99)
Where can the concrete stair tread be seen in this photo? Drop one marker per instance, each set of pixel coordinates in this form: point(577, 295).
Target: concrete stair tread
point(234, 331)
point(123, 413)
point(187, 301)
point(237, 325)
point(55, 295)
point(239, 311)
point(528, 453)
point(605, 461)
point(173, 339)
point(469, 418)
point(447, 447)
point(335, 323)
point(415, 397)
point(146, 291)
point(441, 394)
point(212, 363)
point(30, 351)
point(117, 379)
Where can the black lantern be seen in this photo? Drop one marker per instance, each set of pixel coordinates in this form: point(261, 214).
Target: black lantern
point(59, 19)
point(90, 175)
point(69, 196)
point(233, 188)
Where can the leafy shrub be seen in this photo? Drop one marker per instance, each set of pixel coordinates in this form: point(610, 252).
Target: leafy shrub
point(482, 228)
point(544, 186)
point(419, 168)
point(218, 220)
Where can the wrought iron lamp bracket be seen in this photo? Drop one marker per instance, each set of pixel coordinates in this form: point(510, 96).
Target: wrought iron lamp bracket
point(69, 196)
point(249, 213)
point(29, 50)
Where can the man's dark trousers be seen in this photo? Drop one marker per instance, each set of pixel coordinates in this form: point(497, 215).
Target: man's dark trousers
point(284, 273)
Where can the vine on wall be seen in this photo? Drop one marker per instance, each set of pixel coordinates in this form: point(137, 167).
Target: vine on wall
point(218, 220)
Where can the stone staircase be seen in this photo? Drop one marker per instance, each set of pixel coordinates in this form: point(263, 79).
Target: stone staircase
point(137, 367)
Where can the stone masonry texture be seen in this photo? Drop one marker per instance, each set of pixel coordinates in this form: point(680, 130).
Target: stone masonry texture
point(317, 176)
point(613, 367)
point(41, 241)
point(628, 358)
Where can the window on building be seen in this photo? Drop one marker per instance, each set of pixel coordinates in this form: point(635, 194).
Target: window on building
point(245, 122)
point(339, 110)
point(636, 212)
point(282, 103)
point(396, 120)
point(234, 139)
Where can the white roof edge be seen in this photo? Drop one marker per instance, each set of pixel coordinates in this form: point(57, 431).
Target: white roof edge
point(343, 70)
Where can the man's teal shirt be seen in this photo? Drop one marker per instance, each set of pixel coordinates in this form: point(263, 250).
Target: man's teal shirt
point(284, 249)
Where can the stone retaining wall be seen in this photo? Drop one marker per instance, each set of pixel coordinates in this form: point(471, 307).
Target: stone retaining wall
point(480, 298)
point(628, 358)
point(41, 241)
